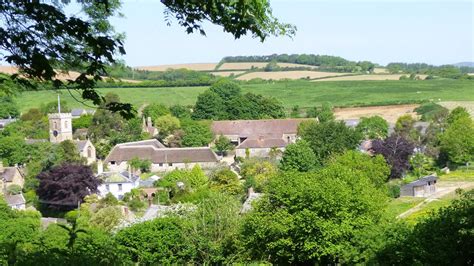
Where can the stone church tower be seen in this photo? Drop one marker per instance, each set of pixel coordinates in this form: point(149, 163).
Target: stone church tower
point(60, 127)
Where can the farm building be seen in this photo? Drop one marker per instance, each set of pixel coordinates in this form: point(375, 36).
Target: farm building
point(161, 157)
point(422, 187)
point(258, 137)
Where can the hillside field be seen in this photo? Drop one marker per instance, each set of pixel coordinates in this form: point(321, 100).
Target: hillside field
point(290, 93)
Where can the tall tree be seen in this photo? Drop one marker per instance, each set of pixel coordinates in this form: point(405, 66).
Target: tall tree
point(457, 142)
point(374, 127)
point(298, 157)
point(396, 150)
point(314, 218)
point(89, 44)
point(65, 186)
point(330, 138)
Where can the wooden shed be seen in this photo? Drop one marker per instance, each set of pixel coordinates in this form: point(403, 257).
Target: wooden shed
point(422, 187)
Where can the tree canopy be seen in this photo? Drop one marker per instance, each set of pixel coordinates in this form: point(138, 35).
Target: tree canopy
point(65, 186)
point(327, 139)
point(89, 44)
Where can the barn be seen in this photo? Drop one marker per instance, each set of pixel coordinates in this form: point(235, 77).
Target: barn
point(422, 187)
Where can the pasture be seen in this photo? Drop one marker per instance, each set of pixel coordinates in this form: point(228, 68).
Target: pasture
point(300, 92)
point(277, 75)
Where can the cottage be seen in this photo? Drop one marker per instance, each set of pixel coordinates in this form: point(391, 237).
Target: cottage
point(86, 150)
point(161, 157)
point(422, 187)
point(117, 183)
point(17, 202)
point(10, 176)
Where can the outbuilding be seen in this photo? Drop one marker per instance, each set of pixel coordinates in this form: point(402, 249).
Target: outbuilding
point(422, 187)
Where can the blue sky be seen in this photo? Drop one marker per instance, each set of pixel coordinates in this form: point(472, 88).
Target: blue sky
point(435, 32)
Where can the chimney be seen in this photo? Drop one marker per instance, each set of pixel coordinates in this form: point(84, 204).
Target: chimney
point(100, 167)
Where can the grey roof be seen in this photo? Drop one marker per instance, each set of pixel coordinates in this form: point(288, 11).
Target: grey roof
point(77, 112)
point(8, 173)
point(13, 200)
point(80, 144)
point(33, 141)
point(81, 111)
point(262, 143)
point(351, 122)
point(152, 142)
point(4, 122)
point(122, 177)
point(265, 127)
point(422, 181)
point(162, 155)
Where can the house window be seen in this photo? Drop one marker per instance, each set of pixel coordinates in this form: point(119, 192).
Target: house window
point(112, 162)
point(55, 125)
point(119, 187)
point(161, 164)
point(170, 164)
point(107, 187)
point(89, 152)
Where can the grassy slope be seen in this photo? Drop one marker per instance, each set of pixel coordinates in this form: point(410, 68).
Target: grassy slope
point(291, 93)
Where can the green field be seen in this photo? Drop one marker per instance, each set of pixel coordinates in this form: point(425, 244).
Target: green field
point(291, 93)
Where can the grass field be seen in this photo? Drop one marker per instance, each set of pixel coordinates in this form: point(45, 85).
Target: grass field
point(367, 77)
point(277, 75)
point(291, 93)
point(400, 205)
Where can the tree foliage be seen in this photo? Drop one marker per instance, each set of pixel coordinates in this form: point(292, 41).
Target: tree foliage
point(446, 233)
point(374, 127)
point(298, 157)
point(327, 139)
point(9, 107)
point(457, 142)
point(323, 113)
point(160, 241)
point(225, 101)
point(396, 150)
point(196, 133)
point(308, 218)
point(223, 144)
point(63, 187)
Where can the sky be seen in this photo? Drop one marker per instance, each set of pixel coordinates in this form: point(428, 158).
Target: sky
point(434, 32)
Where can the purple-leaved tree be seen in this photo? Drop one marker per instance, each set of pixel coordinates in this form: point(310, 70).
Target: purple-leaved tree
point(396, 150)
point(64, 186)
